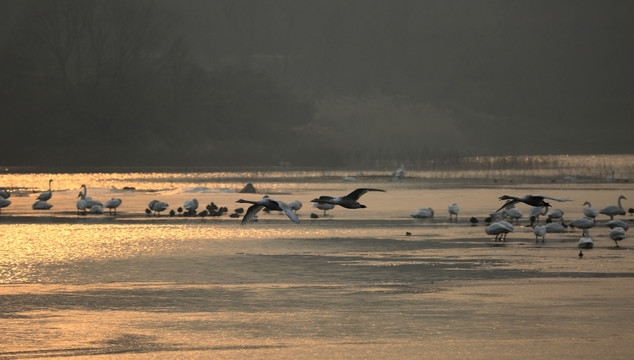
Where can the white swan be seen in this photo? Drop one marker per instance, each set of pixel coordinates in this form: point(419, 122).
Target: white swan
point(589, 211)
point(349, 201)
point(324, 206)
point(46, 195)
point(539, 231)
point(586, 241)
point(613, 210)
point(41, 205)
point(555, 214)
point(268, 203)
point(113, 204)
point(81, 204)
point(583, 223)
point(453, 210)
point(500, 229)
point(618, 223)
point(96, 209)
point(423, 213)
point(617, 234)
point(555, 228)
point(295, 205)
point(90, 202)
point(534, 212)
point(157, 206)
point(513, 214)
point(191, 205)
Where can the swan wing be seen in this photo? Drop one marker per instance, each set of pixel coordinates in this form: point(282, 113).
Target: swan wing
point(355, 195)
point(553, 198)
point(251, 213)
point(287, 210)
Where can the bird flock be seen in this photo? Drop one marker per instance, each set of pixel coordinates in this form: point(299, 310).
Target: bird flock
point(499, 223)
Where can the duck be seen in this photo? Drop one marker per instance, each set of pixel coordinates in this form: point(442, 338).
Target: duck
point(266, 203)
point(613, 210)
point(4, 202)
point(46, 195)
point(349, 201)
point(4, 193)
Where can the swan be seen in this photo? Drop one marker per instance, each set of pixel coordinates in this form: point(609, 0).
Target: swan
point(268, 203)
point(399, 173)
point(46, 195)
point(583, 223)
point(539, 230)
point(555, 214)
point(589, 211)
point(4, 193)
point(423, 213)
point(157, 206)
point(96, 209)
point(612, 210)
point(4, 202)
point(500, 229)
point(81, 203)
point(191, 206)
point(453, 210)
point(513, 214)
point(533, 200)
point(90, 202)
point(295, 205)
point(586, 241)
point(113, 204)
point(324, 206)
point(41, 205)
point(555, 228)
point(349, 201)
point(534, 212)
point(618, 223)
point(617, 234)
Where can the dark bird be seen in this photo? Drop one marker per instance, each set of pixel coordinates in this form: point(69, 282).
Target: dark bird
point(473, 220)
point(172, 212)
point(580, 254)
point(267, 203)
point(349, 201)
point(631, 211)
point(532, 200)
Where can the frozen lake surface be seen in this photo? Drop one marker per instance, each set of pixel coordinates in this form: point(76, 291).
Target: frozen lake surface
point(351, 284)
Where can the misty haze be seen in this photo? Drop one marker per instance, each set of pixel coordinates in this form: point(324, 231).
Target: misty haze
point(312, 83)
